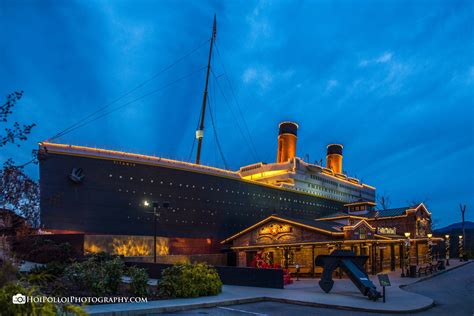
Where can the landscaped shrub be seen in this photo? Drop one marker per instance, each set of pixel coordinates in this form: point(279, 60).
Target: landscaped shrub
point(42, 250)
point(138, 281)
point(8, 308)
point(33, 309)
point(190, 280)
point(95, 276)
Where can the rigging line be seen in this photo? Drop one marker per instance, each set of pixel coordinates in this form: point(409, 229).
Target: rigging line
point(175, 62)
point(233, 114)
point(221, 61)
point(137, 99)
point(215, 136)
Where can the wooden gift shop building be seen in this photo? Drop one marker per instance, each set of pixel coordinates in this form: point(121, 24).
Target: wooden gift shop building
point(385, 236)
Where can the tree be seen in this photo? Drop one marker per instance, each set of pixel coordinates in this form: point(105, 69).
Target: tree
point(16, 132)
point(19, 192)
point(384, 201)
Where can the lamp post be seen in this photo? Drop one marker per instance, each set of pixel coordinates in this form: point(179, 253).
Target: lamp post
point(407, 254)
point(446, 241)
point(155, 221)
point(460, 248)
point(430, 255)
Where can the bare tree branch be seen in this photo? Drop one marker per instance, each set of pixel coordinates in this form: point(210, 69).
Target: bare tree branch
point(17, 132)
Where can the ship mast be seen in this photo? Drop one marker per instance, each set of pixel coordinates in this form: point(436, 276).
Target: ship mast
point(200, 131)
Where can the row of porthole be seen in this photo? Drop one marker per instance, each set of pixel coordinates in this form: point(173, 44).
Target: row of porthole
point(190, 222)
point(235, 203)
point(232, 191)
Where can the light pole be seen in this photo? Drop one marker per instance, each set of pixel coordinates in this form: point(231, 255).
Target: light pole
point(446, 241)
point(407, 254)
point(430, 255)
point(460, 248)
point(155, 222)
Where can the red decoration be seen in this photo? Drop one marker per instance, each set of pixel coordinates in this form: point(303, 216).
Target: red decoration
point(259, 262)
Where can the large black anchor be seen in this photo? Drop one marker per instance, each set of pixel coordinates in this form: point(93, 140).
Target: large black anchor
point(352, 265)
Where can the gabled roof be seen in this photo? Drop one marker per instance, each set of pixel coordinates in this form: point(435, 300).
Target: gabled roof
point(400, 211)
point(397, 211)
point(336, 214)
point(340, 215)
point(390, 212)
point(361, 222)
point(327, 227)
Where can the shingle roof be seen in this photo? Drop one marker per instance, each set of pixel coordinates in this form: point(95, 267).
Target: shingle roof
point(389, 212)
point(336, 214)
point(331, 226)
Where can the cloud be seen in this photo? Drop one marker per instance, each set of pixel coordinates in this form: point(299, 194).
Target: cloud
point(331, 84)
point(260, 76)
point(382, 59)
point(386, 57)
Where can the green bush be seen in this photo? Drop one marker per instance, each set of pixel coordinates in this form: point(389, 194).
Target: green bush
point(97, 277)
point(32, 309)
point(39, 277)
point(139, 281)
point(190, 280)
point(42, 250)
point(8, 308)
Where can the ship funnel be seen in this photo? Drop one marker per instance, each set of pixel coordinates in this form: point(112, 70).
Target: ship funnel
point(287, 141)
point(334, 158)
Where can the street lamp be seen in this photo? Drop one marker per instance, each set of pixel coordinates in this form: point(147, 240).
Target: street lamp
point(407, 254)
point(446, 241)
point(430, 256)
point(155, 220)
point(460, 247)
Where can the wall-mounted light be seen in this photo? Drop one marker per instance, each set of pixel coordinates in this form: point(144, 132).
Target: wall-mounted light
point(429, 235)
point(407, 234)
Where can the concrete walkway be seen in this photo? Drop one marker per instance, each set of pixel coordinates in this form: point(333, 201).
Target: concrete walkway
point(344, 295)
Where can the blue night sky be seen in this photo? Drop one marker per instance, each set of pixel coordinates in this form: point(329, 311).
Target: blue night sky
point(391, 80)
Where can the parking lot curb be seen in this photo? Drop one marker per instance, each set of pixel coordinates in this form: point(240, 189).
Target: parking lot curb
point(436, 274)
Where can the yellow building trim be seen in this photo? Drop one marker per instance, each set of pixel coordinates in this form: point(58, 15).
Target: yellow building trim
point(273, 217)
point(340, 217)
point(351, 241)
point(358, 224)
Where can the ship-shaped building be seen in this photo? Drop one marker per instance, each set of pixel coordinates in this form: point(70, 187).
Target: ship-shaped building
point(102, 192)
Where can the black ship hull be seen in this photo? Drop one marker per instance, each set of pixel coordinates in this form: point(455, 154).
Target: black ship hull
point(97, 195)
